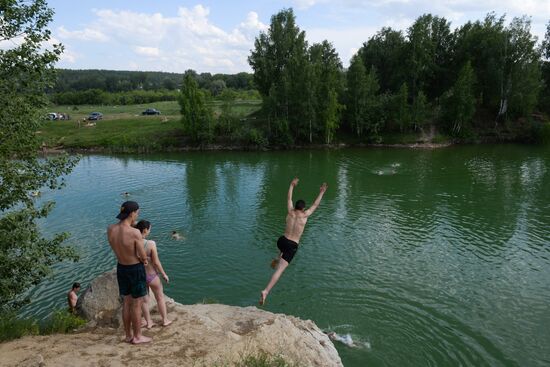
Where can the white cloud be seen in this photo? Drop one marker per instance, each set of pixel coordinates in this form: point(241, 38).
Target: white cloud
point(174, 43)
point(87, 34)
point(147, 51)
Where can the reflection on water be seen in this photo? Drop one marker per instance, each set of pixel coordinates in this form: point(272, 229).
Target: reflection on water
point(428, 257)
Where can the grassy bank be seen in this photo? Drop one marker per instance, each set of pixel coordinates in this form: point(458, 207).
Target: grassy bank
point(123, 128)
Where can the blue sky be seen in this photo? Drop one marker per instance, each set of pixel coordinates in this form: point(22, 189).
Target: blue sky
point(216, 36)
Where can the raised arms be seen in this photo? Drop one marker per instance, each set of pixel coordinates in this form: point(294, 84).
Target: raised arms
point(293, 183)
point(317, 201)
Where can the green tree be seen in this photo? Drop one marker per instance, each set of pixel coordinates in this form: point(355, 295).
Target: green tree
point(544, 102)
point(403, 116)
point(459, 103)
point(196, 116)
point(386, 52)
point(26, 70)
point(522, 79)
point(279, 61)
point(428, 55)
point(420, 113)
point(325, 86)
point(356, 98)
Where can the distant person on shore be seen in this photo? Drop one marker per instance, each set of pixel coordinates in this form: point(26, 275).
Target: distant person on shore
point(153, 269)
point(296, 220)
point(127, 244)
point(72, 297)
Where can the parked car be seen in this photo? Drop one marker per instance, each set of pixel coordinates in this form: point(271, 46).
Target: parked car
point(95, 116)
point(53, 116)
point(151, 111)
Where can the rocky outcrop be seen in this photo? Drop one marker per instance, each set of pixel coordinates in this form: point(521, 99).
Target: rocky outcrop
point(201, 335)
point(100, 303)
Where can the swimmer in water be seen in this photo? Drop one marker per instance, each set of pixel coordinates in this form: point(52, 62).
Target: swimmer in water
point(176, 236)
point(125, 194)
point(346, 339)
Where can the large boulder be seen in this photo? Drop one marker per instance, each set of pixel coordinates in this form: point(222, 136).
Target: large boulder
point(101, 303)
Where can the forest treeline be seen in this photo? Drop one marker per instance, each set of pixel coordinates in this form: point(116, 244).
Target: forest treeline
point(112, 87)
point(485, 76)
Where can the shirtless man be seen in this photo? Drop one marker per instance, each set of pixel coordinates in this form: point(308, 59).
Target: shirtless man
point(127, 245)
point(72, 298)
point(296, 220)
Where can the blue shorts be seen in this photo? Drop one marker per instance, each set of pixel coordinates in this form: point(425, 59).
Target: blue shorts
point(131, 280)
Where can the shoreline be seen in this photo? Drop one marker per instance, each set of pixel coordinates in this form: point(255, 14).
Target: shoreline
point(244, 148)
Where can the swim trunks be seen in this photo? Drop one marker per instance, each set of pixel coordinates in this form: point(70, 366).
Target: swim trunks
point(287, 247)
point(131, 280)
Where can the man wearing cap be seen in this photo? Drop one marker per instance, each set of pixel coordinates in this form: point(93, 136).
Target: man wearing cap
point(127, 244)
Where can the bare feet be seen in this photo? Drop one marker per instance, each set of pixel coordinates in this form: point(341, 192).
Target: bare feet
point(274, 263)
point(143, 323)
point(263, 296)
point(167, 322)
point(128, 339)
point(141, 340)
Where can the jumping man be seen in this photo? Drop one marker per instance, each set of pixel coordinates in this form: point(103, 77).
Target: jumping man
point(296, 220)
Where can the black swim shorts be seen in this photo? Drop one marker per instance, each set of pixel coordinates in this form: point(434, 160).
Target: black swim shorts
point(287, 247)
point(131, 280)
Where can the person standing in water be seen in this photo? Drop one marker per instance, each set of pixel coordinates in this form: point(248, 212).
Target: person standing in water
point(72, 298)
point(153, 272)
point(127, 244)
point(287, 244)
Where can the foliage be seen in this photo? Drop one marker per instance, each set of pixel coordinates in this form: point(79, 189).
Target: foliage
point(300, 85)
point(61, 321)
point(115, 81)
point(26, 70)
point(196, 116)
point(262, 359)
point(99, 97)
point(459, 102)
point(12, 327)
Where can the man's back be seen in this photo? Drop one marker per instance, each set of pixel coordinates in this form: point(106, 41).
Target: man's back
point(295, 223)
point(123, 240)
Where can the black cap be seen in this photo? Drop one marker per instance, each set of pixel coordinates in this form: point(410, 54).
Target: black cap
point(127, 208)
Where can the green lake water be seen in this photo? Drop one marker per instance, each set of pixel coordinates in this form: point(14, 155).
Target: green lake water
point(424, 257)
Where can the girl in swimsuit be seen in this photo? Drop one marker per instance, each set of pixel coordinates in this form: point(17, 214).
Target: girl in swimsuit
point(153, 270)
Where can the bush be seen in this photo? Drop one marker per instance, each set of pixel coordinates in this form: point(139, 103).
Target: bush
point(263, 359)
point(60, 321)
point(12, 328)
point(541, 132)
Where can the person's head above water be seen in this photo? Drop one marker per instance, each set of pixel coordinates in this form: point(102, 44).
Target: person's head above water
point(300, 205)
point(128, 209)
point(144, 226)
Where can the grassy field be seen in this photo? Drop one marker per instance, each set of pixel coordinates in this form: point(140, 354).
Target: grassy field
point(123, 128)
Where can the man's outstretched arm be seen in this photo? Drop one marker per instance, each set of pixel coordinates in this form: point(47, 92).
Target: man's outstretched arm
point(317, 201)
point(289, 204)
